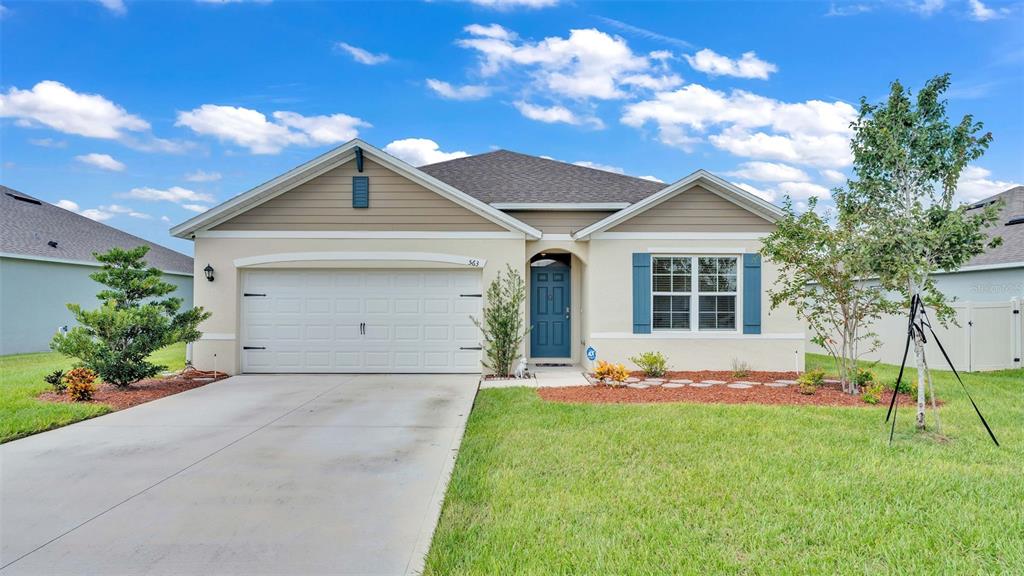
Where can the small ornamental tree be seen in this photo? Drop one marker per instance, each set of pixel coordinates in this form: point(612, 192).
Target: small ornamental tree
point(907, 160)
point(502, 325)
point(131, 323)
point(821, 268)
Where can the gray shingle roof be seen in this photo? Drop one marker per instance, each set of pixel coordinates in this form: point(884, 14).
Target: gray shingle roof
point(27, 227)
point(1012, 248)
point(506, 177)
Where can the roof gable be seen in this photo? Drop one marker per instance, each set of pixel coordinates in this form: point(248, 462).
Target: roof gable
point(702, 178)
point(1011, 251)
point(327, 162)
point(27, 227)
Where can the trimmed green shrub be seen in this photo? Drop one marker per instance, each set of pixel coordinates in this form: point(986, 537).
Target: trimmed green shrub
point(653, 364)
point(56, 380)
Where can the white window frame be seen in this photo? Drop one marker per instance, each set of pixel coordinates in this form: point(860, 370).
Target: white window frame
point(695, 293)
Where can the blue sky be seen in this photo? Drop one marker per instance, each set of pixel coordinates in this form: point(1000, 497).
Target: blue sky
point(142, 113)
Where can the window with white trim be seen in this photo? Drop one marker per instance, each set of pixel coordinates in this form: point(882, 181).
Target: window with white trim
point(677, 280)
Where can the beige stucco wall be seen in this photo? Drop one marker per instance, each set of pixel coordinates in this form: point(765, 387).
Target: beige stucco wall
point(325, 203)
point(695, 210)
point(609, 312)
point(220, 346)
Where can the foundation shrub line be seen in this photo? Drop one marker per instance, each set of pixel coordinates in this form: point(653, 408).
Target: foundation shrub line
point(653, 364)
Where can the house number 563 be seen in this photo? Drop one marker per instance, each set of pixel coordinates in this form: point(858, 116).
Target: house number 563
point(475, 263)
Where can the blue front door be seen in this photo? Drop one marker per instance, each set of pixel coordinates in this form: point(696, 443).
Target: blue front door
point(549, 311)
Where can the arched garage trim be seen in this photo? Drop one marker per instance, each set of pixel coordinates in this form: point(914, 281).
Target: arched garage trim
point(360, 256)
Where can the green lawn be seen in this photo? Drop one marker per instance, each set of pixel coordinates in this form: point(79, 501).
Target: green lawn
point(543, 488)
point(21, 380)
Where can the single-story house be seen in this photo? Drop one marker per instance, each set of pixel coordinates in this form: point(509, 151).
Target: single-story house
point(46, 257)
point(987, 294)
point(358, 262)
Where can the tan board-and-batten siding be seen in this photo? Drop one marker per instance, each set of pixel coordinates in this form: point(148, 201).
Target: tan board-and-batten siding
point(695, 210)
point(325, 203)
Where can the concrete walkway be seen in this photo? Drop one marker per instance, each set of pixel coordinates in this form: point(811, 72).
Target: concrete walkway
point(309, 474)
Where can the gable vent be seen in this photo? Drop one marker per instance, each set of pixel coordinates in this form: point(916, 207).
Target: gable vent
point(360, 191)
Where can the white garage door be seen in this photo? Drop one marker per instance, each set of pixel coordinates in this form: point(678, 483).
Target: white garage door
point(360, 321)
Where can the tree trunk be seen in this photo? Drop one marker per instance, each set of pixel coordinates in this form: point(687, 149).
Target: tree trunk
point(922, 363)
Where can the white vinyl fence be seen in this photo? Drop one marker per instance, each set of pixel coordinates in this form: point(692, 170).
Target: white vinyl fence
point(989, 337)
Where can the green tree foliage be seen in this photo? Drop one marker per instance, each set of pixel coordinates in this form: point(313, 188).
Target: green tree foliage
point(132, 321)
point(908, 159)
point(822, 267)
point(502, 325)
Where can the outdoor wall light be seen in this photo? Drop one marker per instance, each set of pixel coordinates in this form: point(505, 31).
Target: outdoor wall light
point(209, 272)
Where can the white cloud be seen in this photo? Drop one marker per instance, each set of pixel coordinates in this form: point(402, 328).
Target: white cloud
point(251, 129)
point(811, 132)
point(511, 4)
point(927, 7)
point(466, 92)
point(103, 161)
point(202, 176)
point(555, 114)
point(118, 209)
point(748, 65)
point(50, 103)
point(847, 9)
point(768, 195)
point(421, 151)
point(983, 13)
point(587, 64)
point(803, 190)
point(364, 56)
point(597, 166)
point(165, 219)
point(175, 194)
point(195, 207)
point(833, 176)
point(976, 183)
point(48, 142)
point(651, 178)
point(91, 213)
point(115, 6)
point(769, 172)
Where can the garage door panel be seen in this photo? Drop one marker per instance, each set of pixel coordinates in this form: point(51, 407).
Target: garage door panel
point(360, 320)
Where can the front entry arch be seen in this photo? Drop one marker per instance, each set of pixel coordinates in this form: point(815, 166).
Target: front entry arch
point(550, 308)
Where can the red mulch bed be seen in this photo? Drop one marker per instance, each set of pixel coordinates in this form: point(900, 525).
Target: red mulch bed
point(144, 390)
point(827, 395)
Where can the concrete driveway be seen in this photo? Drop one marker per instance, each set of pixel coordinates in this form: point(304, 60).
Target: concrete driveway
point(300, 474)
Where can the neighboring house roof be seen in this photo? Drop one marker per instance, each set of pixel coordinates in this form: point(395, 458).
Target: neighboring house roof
point(330, 160)
point(506, 177)
point(28, 225)
point(1011, 251)
point(709, 181)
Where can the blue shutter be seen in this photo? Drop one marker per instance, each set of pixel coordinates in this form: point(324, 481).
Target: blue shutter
point(751, 293)
point(641, 293)
point(360, 191)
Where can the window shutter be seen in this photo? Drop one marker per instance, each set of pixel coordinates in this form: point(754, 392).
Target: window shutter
point(751, 293)
point(360, 191)
point(641, 293)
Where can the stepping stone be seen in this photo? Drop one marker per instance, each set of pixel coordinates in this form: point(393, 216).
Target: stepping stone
point(830, 381)
point(786, 382)
point(673, 385)
point(748, 383)
point(684, 381)
point(702, 384)
point(638, 385)
point(632, 380)
point(653, 382)
point(713, 382)
point(739, 385)
point(776, 384)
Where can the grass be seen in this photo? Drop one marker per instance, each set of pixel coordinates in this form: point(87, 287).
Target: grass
point(544, 488)
point(21, 380)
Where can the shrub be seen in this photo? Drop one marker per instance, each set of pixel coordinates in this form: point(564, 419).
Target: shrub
point(907, 386)
point(872, 393)
point(653, 364)
point(863, 378)
point(740, 369)
point(616, 373)
point(56, 380)
point(502, 326)
point(132, 321)
point(80, 384)
point(810, 381)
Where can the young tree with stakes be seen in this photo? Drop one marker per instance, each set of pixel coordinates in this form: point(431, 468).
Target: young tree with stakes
point(132, 322)
point(822, 267)
point(907, 162)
